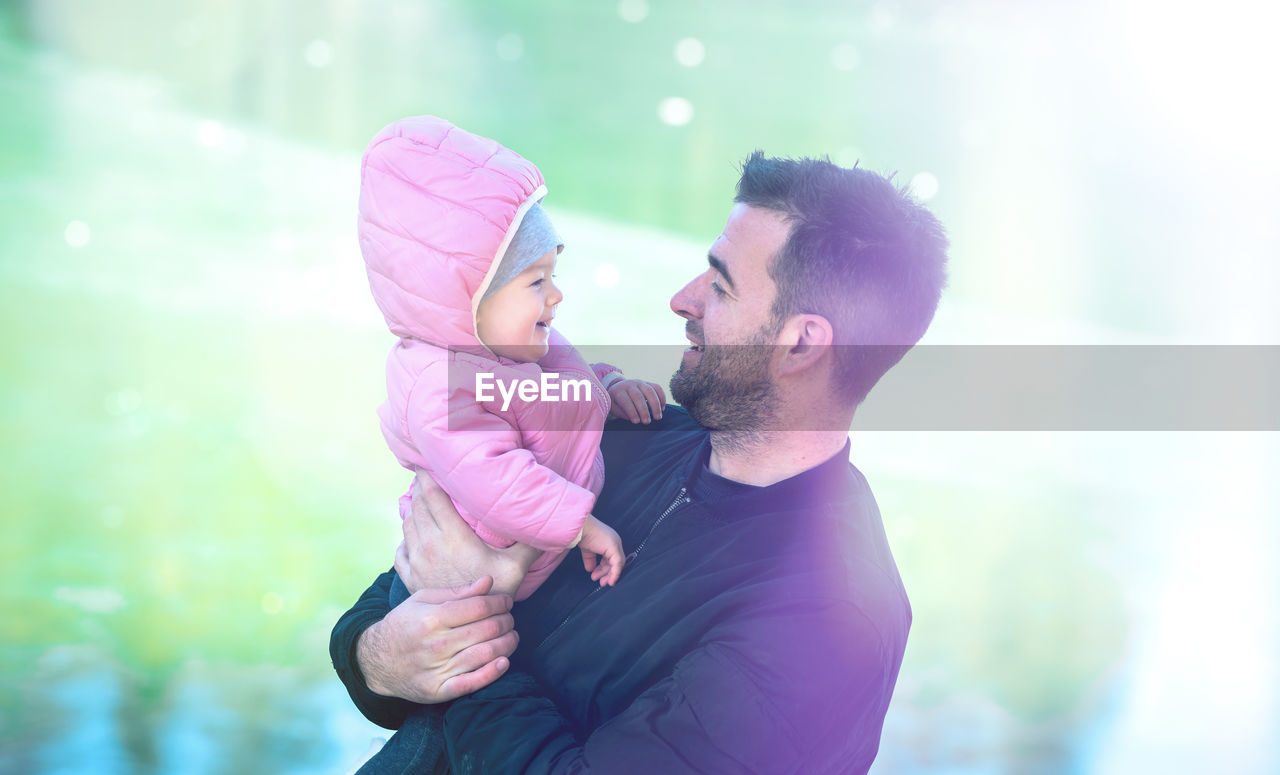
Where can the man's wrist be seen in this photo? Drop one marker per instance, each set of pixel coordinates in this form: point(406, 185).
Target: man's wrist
point(369, 647)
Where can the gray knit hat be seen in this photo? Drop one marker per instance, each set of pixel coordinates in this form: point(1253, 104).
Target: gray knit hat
point(534, 237)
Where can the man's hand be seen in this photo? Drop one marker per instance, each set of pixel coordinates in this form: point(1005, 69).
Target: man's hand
point(636, 400)
point(440, 550)
point(439, 644)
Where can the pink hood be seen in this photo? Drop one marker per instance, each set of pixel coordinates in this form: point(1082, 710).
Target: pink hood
point(438, 205)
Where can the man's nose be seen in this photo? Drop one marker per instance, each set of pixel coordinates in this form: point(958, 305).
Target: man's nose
point(687, 303)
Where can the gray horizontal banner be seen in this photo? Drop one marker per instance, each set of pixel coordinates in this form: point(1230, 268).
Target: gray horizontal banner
point(1032, 388)
point(1079, 388)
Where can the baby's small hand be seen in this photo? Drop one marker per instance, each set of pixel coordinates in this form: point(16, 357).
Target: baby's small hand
point(636, 400)
point(600, 539)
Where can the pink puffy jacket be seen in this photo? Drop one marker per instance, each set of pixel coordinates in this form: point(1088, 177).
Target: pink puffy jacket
point(437, 207)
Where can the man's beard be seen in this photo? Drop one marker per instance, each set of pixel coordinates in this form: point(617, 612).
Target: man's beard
point(729, 389)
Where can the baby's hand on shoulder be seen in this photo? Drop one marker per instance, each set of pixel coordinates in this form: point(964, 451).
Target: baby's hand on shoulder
point(636, 400)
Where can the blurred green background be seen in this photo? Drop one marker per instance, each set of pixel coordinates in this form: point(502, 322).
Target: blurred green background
point(195, 485)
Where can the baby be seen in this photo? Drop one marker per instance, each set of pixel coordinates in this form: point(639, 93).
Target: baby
point(460, 257)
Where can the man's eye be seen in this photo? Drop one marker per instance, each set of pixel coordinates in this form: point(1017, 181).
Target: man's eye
point(715, 286)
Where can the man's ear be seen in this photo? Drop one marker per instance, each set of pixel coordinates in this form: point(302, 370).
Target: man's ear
point(803, 342)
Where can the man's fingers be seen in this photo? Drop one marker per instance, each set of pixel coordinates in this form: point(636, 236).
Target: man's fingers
point(429, 500)
point(478, 633)
point(456, 613)
point(477, 679)
point(440, 510)
point(402, 560)
point(478, 655)
point(483, 631)
point(402, 565)
point(475, 589)
point(409, 527)
point(424, 483)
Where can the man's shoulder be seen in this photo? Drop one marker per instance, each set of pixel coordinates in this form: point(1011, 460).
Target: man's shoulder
point(625, 442)
point(825, 540)
point(852, 550)
point(674, 418)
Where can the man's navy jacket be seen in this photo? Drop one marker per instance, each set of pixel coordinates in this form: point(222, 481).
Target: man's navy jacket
point(754, 629)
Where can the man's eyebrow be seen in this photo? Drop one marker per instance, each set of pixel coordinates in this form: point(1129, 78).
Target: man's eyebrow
point(719, 266)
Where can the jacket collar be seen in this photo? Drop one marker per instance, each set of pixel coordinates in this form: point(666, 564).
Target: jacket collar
point(831, 481)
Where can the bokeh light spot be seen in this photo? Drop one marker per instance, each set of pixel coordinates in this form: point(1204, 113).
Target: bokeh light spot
point(318, 53)
point(633, 11)
point(924, 186)
point(211, 134)
point(675, 111)
point(606, 276)
point(845, 57)
point(510, 47)
point(690, 52)
point(881, 19)
point(76, 234)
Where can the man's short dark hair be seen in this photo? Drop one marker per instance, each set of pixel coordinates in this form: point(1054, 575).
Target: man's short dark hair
point(862, 253)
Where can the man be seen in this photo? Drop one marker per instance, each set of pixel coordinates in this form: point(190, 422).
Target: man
point(760, 621)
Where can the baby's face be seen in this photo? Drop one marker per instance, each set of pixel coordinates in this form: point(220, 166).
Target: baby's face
point(515, 321)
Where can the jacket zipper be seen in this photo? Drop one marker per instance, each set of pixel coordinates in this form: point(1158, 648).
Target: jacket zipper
point(681, 498)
